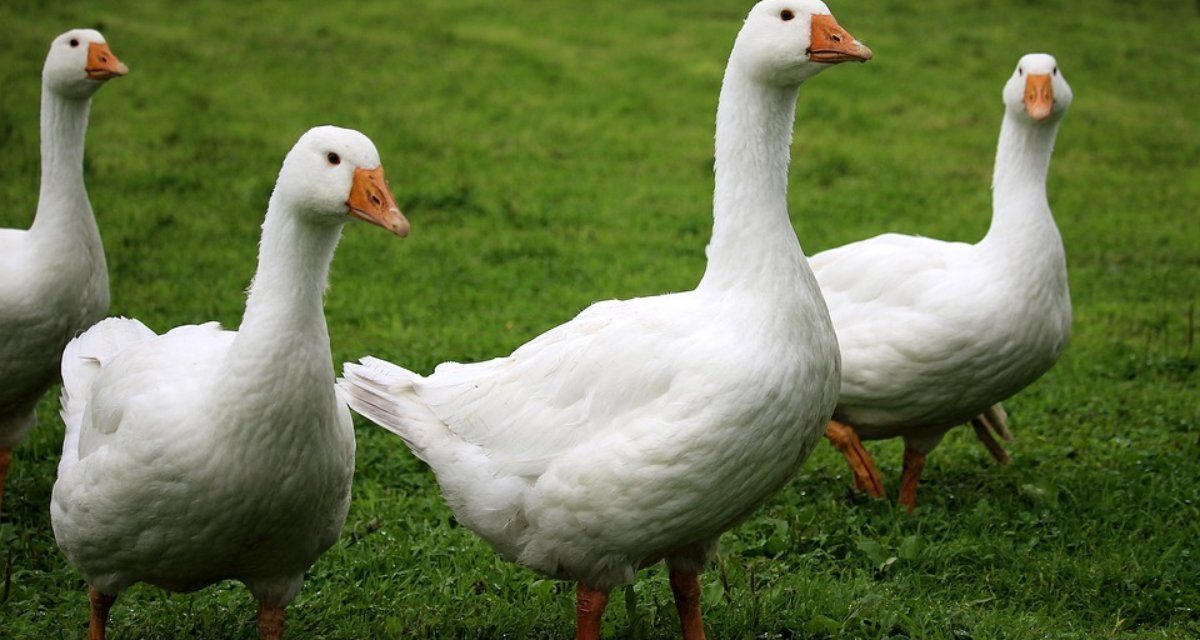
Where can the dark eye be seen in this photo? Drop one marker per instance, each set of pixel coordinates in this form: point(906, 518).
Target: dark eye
point(333, 158)
point(786, 15)
point(74, 42)
point(1020, 71)
point(1055, 70)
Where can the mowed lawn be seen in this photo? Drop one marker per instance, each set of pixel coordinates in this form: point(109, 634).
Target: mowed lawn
point(551, 154)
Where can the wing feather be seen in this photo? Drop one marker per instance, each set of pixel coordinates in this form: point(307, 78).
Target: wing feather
point(904, 321)
point(82, 361)
point(119, 369)
point(608, 365)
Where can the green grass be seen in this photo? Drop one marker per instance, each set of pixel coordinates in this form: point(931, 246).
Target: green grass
point(551, 154)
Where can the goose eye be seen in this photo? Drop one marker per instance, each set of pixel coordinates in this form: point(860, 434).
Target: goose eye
point(333, 158)
point(1020, 71)
point(786, 15)
point(1055, 70)
point(74, 42)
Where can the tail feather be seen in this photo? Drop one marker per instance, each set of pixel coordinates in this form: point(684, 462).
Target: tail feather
point(384, 393)
point(483, 499)
point(82, 361)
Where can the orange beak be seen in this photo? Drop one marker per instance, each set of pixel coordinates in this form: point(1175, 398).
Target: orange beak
point(1039, 96)
point(102, 64)
point(371, 201)
point(831, 44)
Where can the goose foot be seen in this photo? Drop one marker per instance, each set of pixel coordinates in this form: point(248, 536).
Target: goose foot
point(589, 610)
point(99, 604)
point(686, 587)
point(866, 474)
point(270, 621)
point(5, 463)
point(914, 463)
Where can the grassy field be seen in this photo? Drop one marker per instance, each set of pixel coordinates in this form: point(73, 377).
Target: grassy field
point(551, 154)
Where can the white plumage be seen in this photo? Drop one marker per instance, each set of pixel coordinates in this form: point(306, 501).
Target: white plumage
point(203, 454)
point(179, 473)
point(934, 333)
point(618, 436)
point(643, 429)
point(53, 281)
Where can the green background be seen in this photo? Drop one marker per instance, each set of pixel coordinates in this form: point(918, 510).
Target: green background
point(552, 154)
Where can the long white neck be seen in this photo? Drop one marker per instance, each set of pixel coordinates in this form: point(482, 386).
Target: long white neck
point(283, 332)
point(1021, 215)
point(753, 244)
point(63, 210)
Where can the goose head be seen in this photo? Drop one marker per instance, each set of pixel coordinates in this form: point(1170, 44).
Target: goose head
point(785, 42)
point(332, 175)
point(1037, 90)
point(79, 62)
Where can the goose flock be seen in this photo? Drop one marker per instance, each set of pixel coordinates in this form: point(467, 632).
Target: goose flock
point(637, 432)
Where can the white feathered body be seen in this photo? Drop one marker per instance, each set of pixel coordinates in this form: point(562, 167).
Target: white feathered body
point(202, 454)
point(642, 429)
point(47, 296)
point(933, 333)
point(53, 279)
point(179, 469)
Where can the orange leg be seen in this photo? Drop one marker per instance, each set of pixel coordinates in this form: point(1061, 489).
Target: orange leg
point(914, 462)
point(5, 463)
point(99, 604)
point(270, 622)
point(589, 610)
point(989, 425)
point(983, 432)
point(866, 474)
point(997, 419)
point(686, 587)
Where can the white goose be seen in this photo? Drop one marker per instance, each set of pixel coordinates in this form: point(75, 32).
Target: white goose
point(643, 429)
point(203, 454)
point(53, 282)
point(933, 334)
